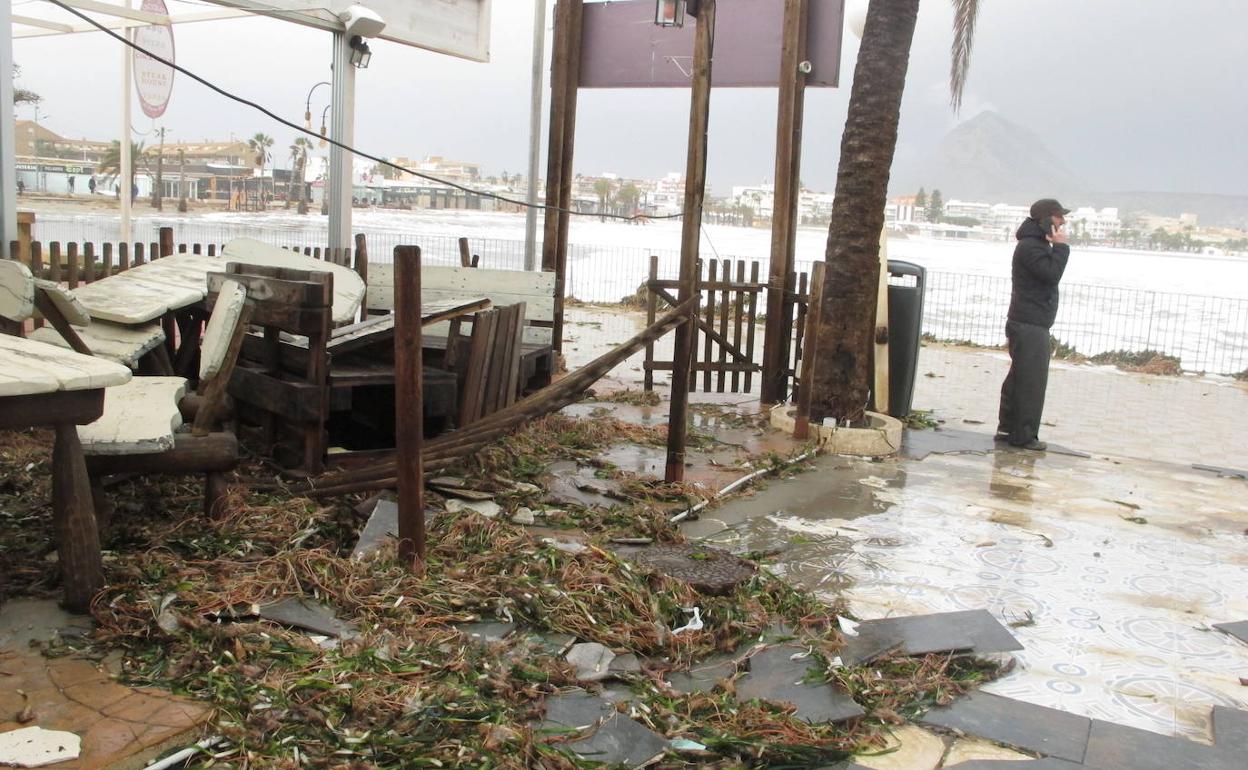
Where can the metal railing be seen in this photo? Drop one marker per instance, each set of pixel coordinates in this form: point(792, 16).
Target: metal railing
point(1206, 333)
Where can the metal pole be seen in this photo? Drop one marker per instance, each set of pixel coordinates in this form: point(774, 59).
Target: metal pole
point(8, 171)
point(342, 130)
point(535, 133)
point(126, 162)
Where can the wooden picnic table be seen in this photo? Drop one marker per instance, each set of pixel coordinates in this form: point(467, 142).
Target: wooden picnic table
point(149, 291)
point(45, 385)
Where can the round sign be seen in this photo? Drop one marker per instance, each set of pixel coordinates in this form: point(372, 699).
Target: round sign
point(153, 79)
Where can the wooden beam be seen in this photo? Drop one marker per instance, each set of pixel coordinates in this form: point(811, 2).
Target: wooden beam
point(695, 191)
point(779, 331)
point(409, 411)
point(120, 11)
point(810, 353)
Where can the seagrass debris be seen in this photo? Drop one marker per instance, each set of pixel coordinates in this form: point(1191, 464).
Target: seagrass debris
point(444, 450)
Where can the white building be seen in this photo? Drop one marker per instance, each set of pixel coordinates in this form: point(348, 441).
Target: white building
point(971, 209)
point(761, 199)
point(1096, 225)
point(1003, 220)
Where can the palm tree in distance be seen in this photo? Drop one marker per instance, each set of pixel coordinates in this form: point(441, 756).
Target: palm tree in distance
point(110, 163)
point(845, 338)
point(299, 150)
point(603, 189)
point(260, 144)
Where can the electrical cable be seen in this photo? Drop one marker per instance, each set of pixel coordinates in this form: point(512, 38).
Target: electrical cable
point(360, 153)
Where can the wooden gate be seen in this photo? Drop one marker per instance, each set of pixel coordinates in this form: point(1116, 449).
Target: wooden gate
point(723, 342)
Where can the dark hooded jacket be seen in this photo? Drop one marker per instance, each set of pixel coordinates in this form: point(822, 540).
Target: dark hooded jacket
point(1038, 267)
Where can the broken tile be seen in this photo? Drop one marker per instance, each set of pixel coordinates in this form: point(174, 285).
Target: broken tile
point(708, 570)
point(970, 630)
point(487, 508)
point(575, 710)
point(703, 676)
point(383, 523)
point(621, 741)
point(310, 616)
point(1238, 629)
point(487, 631)
point(523, 516)
point(909, 748)
point(36, 747)
point(776, 677)
point(554, 644)
point(918, 444)
point(591, 660)
point(627, 664)
point(1230, 729)
point(1047, 763)
point(968, 749)
point(872, 641)
point(1015, 723)
point(1113, 746)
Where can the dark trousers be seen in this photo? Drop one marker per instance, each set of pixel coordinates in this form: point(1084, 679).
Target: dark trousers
point(1022, 393)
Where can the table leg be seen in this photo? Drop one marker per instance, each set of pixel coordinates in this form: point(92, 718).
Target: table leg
point(77, 535)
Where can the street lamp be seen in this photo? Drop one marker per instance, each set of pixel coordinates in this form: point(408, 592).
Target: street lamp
point(307, 113)
point(324, 113)
point(360, 55)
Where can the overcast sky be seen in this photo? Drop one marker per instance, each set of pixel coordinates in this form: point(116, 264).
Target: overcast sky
point(1131, 94)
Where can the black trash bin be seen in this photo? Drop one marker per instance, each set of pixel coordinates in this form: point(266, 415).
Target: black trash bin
point(907, 282)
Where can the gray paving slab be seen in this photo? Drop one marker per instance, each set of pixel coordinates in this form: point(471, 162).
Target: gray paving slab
point(1230, 730)
point(309, 616)
point(1238, 629)
point(775, 677)
point(917, 444)
point(1118, 747)
point(383, 523)
point(970, 630)
point(487, 631)
point(575, 710)
point(703, 676)
point(1015, 723)
point(621, 741)
point(876, 640)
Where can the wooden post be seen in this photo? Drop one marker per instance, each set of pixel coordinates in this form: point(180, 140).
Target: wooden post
point(779, 331)
point(71, 265)
point(166, 241)
point(565, 76)
point(77, 536)
point(801, 418)
point(409, 406)
point(25, 222)
point(695, 190)
point(361, 269)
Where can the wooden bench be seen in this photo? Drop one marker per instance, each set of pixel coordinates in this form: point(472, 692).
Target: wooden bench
point(23, 296)
point(536, 290)
point(139, 431)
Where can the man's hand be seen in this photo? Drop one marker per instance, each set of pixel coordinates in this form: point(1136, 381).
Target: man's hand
point(1057, 236)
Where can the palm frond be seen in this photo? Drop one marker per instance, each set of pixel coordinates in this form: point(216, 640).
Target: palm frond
point(964, 15)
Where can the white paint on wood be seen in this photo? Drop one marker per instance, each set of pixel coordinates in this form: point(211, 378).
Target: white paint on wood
point(127, 301)
point(382, 325)
point(348, 286)
point(17, 291)
point(139, 418)
point(65, 302)
point(181, 271)
point(220, 329)
point(115, 342)
point(29, 365)
point(503, 287)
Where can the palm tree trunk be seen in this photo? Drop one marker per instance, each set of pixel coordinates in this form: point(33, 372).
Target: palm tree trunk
point(841, 374)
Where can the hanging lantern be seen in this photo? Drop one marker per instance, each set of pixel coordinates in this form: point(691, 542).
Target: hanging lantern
point(669, 13)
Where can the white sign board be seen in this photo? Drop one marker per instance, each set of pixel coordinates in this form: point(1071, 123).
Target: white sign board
point(153, 80)
point(455, 27)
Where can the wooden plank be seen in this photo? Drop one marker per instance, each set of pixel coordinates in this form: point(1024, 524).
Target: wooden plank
point(115, 342)
point(504, 287)
point(751, 324)
point(88, 262)
point(290, 400)
point(67, 304)
point(652, 303)
point(691, 228)
point(190, 454)
point(17, 291)
point(54, 262)
point(801, 428)
point(465, 256)
point(49, 310)
point(76, 407)
point(71, 265)
point(409, 414)
point(480, 349)
point(214, 376)
point(724, 301)
point(361, 269)
point(790, 108)
point(799, 325)
point(708, 323)
point(77, 533)
point(738, 317)
point(23, 360)
point(879, 391)
point(139, 417)
point(515, 357)
point(348, 286)
point(120, 300)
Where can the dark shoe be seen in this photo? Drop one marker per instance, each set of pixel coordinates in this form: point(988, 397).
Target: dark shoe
point(1001, 437)
point(1036, 445)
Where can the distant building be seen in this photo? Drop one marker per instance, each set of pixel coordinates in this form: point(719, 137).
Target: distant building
point(760, 199)
point(1098, 226)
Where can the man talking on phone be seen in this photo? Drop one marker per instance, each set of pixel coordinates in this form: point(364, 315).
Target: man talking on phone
point(1039, 261)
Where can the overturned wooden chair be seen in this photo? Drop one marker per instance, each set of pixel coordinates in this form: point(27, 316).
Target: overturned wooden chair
point(141, 430)
point(490, 361)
